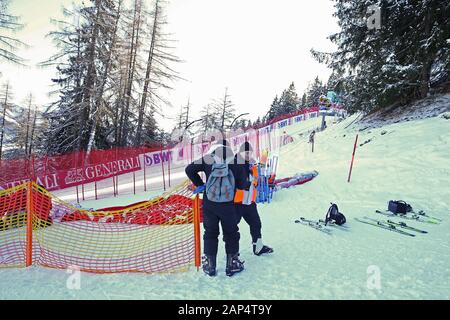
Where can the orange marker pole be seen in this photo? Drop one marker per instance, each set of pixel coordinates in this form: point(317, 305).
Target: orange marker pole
point(197, 231)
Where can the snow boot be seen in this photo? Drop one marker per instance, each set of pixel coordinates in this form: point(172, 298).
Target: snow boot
point(234, 265)
point(209, 265)
point(259, 248)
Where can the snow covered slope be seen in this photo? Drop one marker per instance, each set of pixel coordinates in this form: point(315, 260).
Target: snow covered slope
point(407, 160)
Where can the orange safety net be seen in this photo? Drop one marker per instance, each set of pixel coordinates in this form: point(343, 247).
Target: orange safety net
point(13, 219)
point(151, 236)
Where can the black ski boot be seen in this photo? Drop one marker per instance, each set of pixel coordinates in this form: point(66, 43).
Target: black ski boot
point(209, 265)
point(234, 265)
point(259, 248)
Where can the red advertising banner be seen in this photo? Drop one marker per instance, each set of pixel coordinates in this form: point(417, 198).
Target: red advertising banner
point(76, 176)
point(72, 169)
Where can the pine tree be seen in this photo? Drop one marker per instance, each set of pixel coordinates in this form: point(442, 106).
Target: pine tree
point(24, 133)
point(314, 91)
point(63, 114)
point(274, 109)
point(209, 119)
point(303, 102)
point(84, 63)
point(224, 108)
point(186, 114)
point(105, 94)
point(392, 65)
point(240, 124)
point(289, 101)
point(151, 132)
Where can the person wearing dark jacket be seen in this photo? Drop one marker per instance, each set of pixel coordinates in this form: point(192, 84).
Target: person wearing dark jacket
point(249, 211)
point(218, 212)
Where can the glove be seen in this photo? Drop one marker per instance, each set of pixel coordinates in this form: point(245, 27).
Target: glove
point(199, 189)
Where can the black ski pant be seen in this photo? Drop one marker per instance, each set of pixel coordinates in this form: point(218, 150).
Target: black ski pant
point(251, 216)
point(225, 214)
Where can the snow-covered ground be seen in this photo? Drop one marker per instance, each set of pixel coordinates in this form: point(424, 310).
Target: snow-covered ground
point(406, 160)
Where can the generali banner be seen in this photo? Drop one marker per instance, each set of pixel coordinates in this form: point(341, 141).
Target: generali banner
point(89, 173)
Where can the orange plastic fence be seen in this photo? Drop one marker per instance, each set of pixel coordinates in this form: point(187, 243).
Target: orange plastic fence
point(37, 228)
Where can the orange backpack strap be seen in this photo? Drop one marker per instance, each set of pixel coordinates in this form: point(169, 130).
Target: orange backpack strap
point(239, 196)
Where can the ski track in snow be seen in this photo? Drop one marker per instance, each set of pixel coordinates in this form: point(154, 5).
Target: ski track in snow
point(410, 162)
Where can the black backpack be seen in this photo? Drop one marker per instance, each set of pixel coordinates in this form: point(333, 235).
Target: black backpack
point(333, 215)
point(399, 207)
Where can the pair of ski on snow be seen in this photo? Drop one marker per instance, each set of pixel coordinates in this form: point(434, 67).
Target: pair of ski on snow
point(420, 216)
point(391, 226)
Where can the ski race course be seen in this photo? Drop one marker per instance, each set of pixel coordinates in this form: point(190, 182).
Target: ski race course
point(401, 161)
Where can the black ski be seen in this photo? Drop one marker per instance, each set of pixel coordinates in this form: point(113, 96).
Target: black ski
point(398, 224)
point(424, 214)
point(383, 225)
point(405, 226)
point(313, 224)
point(414, 217)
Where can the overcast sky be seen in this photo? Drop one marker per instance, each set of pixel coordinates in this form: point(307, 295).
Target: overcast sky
point(253, 47)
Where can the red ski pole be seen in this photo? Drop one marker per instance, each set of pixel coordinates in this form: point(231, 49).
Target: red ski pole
point(353, 158)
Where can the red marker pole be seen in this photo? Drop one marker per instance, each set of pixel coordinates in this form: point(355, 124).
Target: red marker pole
point(353, 158)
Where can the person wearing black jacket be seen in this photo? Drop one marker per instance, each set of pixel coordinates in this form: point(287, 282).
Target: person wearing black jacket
point(250, 212)
point(215, 212)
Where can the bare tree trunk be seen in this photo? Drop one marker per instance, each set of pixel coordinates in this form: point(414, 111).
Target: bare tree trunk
point(180, 120)
point(131, 70)
point(224, 108)
point(147, 77)
point(32, 131)
point(28, 125)
point(99, 100)
point(188, 106)
point(89, 84)
point(5, 106)
point(117, 127)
